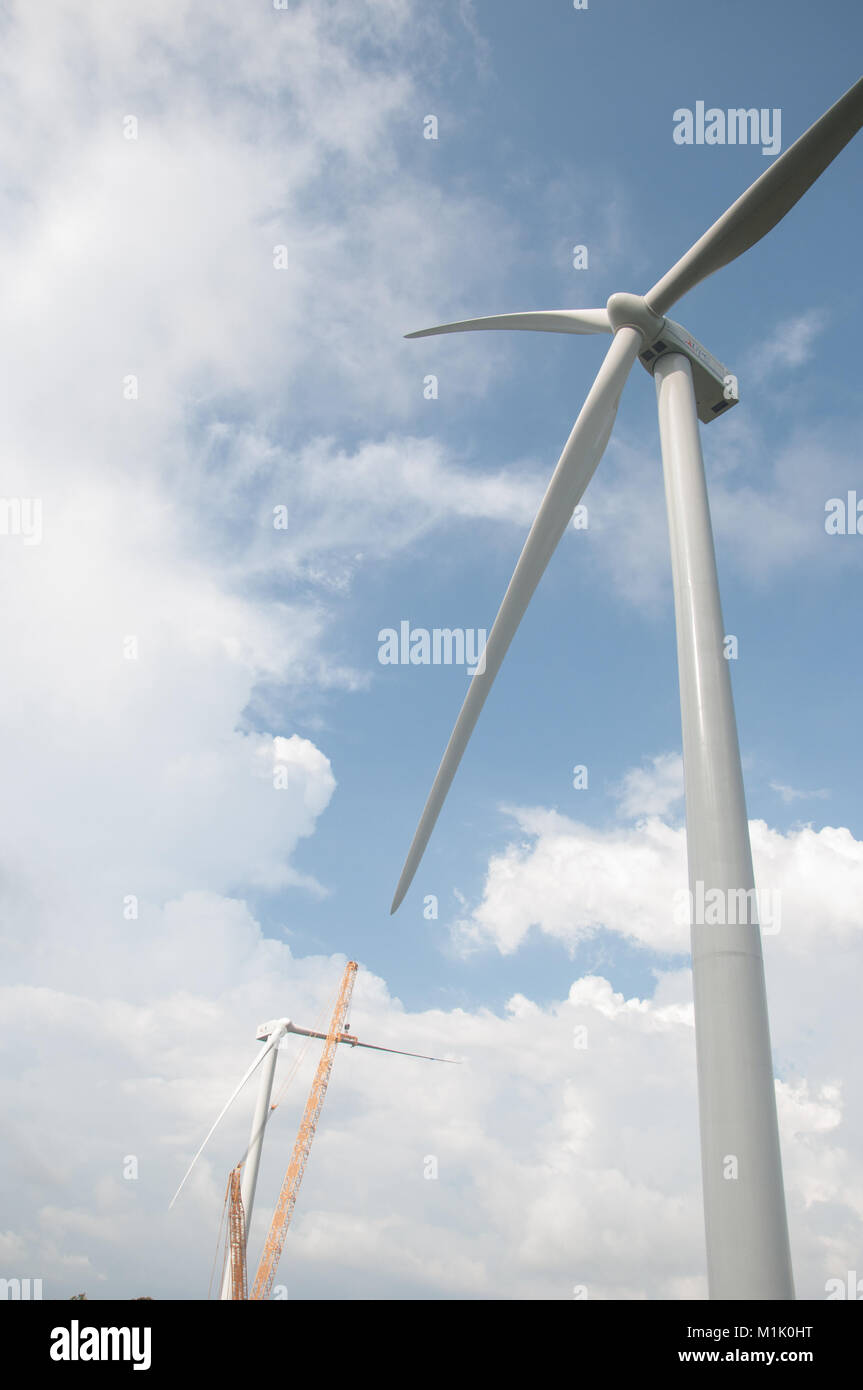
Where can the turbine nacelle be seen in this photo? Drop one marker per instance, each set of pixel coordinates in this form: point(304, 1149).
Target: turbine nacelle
point(715, 387)
point(275, 1025)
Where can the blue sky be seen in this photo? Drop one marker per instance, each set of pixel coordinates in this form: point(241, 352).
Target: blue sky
point(154, 258)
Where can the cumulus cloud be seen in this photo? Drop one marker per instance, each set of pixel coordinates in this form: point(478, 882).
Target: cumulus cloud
point(561, 1153)
point(566, 880)
point(652, 790)
point(501, 1177)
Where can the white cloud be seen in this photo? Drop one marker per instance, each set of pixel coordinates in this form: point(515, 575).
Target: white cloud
point(790, 794)
point(789, 346)
point(653, 790)
point(519, 1131)
point(567, 880)
point(557, 1164)
point(348, 508)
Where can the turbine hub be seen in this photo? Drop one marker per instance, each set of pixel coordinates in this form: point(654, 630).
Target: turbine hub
point(631, 311)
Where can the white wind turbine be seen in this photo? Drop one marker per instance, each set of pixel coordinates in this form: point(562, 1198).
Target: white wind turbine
point(272, 1035)
point(748, 1253)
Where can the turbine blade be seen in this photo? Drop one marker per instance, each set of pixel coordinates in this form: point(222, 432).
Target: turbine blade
point(576, 466)
point(765, 202)
point(354, 1042)
point(275, 1037)
point(453, 1061)
point(542, 321)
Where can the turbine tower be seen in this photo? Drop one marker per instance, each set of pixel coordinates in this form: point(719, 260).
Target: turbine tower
point(748, 1255)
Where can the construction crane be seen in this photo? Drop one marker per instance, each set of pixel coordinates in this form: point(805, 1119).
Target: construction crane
point(237, 1236)
point(241, 1190)
point(275, 1241)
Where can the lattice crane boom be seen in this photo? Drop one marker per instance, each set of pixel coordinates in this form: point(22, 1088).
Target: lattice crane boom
point(237, 1237)
point(290, 1187)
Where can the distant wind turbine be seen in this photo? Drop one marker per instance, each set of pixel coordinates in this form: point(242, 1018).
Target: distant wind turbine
point(748, 1253)
point(271, 1034)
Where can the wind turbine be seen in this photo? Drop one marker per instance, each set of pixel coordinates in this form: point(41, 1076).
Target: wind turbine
point(748, 1253)
point(272, 1034)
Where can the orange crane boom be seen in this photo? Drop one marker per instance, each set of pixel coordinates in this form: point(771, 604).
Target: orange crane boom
point(237, 1237)
point(293, 1177)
